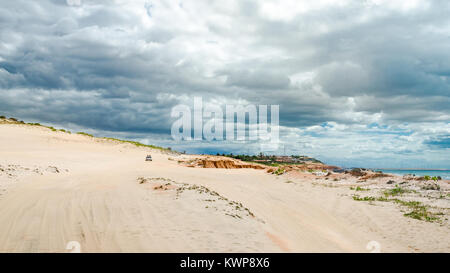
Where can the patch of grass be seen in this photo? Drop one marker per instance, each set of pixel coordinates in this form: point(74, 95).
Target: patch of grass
point(138, 144)
point(85, 134)
point(395, 191)
point(279, 171)
point(365, 198)
point(417, 210)
point(422, 214)
point(359, 189)
point(48, 127)
point(411, 204)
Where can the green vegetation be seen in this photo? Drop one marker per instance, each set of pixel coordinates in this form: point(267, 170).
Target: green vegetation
point(434, 178)
point(359, 189)
point(412, 204)
point(365, 198)
point(279, 171)
point(138, 144)
point(395, 191)
point(85, 134)
point(272, 160)
point(35, 124)
point(417, 211)
point(422, 214)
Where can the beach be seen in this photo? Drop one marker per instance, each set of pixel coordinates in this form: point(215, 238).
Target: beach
point(58, 187)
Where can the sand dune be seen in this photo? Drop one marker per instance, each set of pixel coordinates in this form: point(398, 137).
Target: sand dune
point(57, 187)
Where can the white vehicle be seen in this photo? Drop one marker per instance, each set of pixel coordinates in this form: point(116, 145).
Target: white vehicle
point(148, 158)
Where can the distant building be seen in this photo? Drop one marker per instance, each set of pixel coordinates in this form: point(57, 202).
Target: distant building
point(284, 159)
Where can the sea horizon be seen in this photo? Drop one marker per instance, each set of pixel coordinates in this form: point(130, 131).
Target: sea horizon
point(444, 174)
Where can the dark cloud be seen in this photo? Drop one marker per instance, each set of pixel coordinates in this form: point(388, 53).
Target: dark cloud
point(440, 142)
point(120, 66)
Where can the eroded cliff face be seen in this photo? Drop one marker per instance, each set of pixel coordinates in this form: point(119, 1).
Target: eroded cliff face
point(228, 164)
point(221, 163)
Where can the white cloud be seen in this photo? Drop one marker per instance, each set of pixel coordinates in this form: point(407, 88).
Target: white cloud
point(120, 65)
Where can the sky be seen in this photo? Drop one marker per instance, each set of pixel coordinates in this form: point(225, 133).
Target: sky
point(358, 83)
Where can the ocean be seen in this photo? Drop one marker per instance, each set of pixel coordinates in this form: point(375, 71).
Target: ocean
point(445, 174)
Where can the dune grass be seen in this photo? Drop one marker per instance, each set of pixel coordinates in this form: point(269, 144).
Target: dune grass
point(137, 144)
point(417, 210)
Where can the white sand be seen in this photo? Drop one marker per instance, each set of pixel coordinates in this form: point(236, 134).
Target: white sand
point(93, 196)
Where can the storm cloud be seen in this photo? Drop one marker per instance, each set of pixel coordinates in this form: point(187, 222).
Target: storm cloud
point(351, 77)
